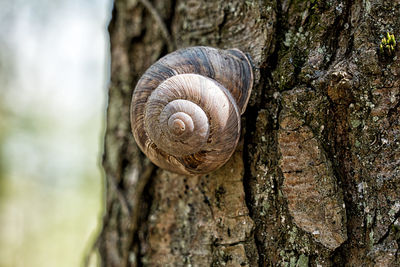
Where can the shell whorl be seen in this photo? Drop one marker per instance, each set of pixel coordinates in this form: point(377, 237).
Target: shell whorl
point(186, 108)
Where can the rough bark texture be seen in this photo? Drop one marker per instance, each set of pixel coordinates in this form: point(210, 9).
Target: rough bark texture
point(315, 180)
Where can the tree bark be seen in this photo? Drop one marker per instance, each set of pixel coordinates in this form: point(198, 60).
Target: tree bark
point(315, 179)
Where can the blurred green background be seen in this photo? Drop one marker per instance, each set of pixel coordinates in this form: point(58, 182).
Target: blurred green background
point(54, 69)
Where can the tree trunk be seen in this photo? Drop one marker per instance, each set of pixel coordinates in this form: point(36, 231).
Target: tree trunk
point(315, 179)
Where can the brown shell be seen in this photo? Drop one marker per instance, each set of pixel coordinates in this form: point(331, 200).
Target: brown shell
point(185, 111)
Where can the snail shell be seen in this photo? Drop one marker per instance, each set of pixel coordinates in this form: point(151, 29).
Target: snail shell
point(185, 111)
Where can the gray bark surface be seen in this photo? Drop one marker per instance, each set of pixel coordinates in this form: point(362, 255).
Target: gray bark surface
point(315, 179)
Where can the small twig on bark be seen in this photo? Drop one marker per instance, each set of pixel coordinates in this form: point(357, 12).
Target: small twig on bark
point(121, 197)
point(125, 206)
point(164, 31)
point(133, 214)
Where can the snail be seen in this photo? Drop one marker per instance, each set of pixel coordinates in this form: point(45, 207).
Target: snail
point(186, 108)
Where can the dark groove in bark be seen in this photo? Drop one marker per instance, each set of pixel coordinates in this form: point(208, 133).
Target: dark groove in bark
point(144, 207)
point(389, 230)
point(101, 240)
point(118, 218)
point(221, 26)
point(333, 33)
point(266, 84)
point(333, 151)
point(250, 113)
point(169, 22)
point(337, 153)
